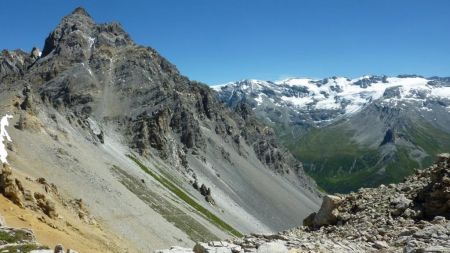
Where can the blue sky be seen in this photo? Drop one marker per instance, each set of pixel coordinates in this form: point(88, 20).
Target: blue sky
point(216, 41)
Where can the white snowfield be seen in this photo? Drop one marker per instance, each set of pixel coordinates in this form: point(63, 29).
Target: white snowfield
point(338, 93)
point(4, 134)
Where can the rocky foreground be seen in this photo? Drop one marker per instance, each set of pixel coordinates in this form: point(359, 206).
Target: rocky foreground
point(412, 216)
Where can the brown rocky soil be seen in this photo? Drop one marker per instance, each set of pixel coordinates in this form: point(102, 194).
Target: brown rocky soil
point(52, 218)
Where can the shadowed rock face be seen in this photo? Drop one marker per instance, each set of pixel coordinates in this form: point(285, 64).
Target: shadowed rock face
point(389, 137)
point(435, 197)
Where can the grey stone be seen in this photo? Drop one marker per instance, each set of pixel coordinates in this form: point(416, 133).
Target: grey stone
point(380, 244)
point(272, 247)
point(327, 214)
point(434, 249)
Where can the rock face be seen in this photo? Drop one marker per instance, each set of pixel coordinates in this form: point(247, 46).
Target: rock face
point(404, 217)
point(435, 198)
point(10, 187)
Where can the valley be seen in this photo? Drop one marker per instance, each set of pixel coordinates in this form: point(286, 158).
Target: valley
point(107, 146)
point(353, 133)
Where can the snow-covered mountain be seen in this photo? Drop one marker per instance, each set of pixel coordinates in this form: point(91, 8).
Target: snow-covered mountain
point(329, 99)
point(353, 132)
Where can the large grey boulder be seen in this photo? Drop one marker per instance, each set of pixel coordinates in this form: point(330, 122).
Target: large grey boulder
point(328, 212)
point(272, 247)
point(212, 247)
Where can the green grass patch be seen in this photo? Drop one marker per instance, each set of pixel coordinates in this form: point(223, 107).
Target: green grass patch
point(19, 237)
point(339, 164)
point(431, 139)
point(186, 198)
point(180, 219)
point(24, 248)
point(15, 236)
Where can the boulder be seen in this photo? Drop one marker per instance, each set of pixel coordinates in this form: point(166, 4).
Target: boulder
point(328, 212)
point(272, 247)
point(380, 244)
point(400, 204)
point(309, 221)
point(216, 247)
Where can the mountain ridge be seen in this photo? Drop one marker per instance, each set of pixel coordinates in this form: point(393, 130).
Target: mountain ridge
point(354, 116)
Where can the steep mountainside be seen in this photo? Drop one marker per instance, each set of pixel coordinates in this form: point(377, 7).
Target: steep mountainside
point(353, 133)
point(157, 159)
point(411, 217)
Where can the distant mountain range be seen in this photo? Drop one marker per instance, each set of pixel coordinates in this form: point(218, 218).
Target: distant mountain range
point(352, 133)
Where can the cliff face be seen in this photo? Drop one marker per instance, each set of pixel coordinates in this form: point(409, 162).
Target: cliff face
point(94, 99)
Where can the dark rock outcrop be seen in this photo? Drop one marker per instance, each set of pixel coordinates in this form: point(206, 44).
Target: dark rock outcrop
point(11, 187)
point(389, 137)
point(435, 197)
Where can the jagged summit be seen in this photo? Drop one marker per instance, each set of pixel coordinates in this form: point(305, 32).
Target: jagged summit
point(78, 33)
point(81, 11)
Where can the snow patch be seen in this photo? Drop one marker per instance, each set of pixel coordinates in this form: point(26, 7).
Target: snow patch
point(91, 41)
point(4, 134)
point(295, 81)
point(298, 101)
point(259, 99)
point(441, 92)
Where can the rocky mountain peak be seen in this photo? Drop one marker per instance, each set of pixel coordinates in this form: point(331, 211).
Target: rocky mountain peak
point(71, 31)
point(77, 34)
point(80, 11)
